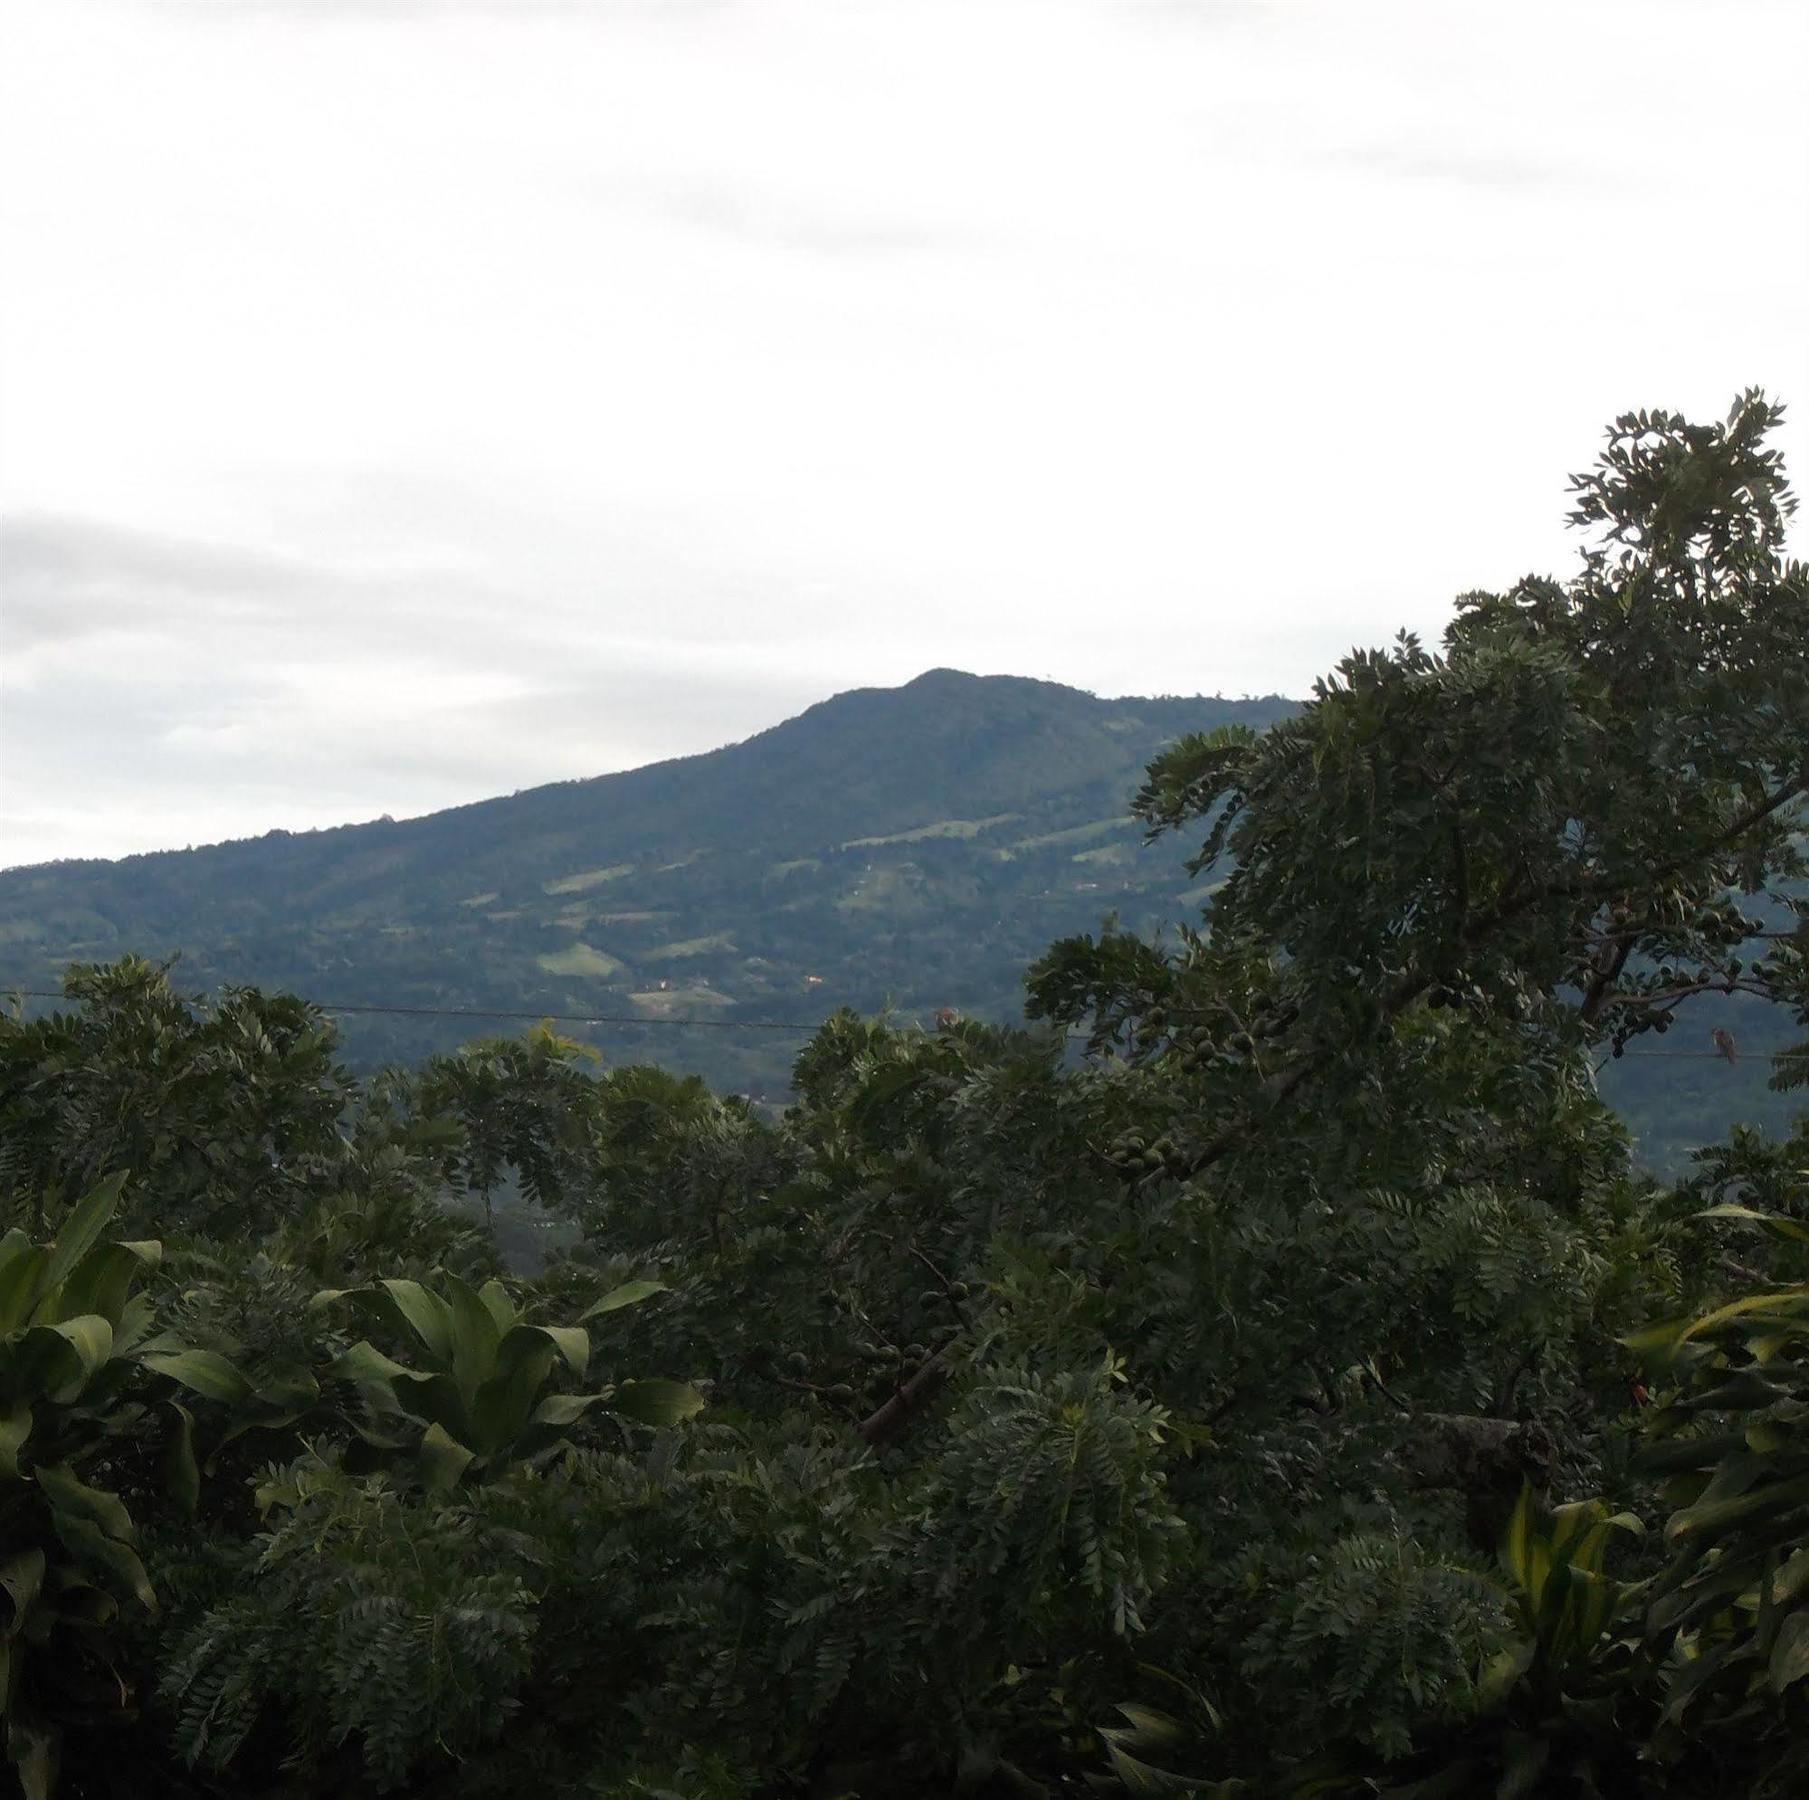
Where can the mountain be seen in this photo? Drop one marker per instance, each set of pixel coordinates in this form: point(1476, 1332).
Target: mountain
point(915, 847)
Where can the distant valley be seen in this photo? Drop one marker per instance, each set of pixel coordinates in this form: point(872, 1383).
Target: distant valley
point(911, 847)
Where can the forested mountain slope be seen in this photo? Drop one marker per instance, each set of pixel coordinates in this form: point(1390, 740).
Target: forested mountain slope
point(915, 847)
point(1285, 1384)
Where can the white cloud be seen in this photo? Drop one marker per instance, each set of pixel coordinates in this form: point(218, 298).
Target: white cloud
point(728, 354)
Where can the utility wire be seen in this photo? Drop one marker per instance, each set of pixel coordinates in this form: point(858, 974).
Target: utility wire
point(793, 1025)
point(491, 1012)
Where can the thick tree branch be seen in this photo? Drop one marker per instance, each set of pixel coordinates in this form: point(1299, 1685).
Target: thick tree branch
point(1609, 969)
point(885, 1423)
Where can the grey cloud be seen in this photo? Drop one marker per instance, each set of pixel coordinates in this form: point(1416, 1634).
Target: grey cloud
point(654, 705)
point(740, 214)
point(619, 712)
point(64, 578)
point(272, 692)
point(179, 761)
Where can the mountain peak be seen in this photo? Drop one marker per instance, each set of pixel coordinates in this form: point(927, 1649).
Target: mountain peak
point(941, 678)
point(960, 681)
point(918, 844)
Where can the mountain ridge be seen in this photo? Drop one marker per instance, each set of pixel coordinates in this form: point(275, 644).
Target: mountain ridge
point(911, 847)
point(917, 845)
point(943, 685)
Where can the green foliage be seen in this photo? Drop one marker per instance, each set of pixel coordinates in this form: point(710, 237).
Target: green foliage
point(520, 1104)
point(1224, 1381)
point(222, 1112)
point(477, 1396)
point(793, 856)
point(81, 1379)
point(367, 1619)
point(1730, 1609)
point(1051, 1499)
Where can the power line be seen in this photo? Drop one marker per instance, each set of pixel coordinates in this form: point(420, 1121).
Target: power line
point(1716, 1055)
point(792, 1025)
point(492, 1012)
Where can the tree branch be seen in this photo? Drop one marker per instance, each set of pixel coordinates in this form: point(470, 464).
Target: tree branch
point(883, 1424)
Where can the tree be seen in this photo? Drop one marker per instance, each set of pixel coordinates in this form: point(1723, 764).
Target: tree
point(229, 1114)
point(1366, 1076)
point(1264, 1397)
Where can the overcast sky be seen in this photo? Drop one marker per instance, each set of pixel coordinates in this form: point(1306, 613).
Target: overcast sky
point(403, 401)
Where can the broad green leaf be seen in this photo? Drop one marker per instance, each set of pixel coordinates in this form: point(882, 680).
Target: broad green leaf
point(364, 1365)
point(571, 1341)
point(505, 1404)
point(98, 1284)
point(561, 1411)
point(82, 1230)
point(1589, 1605)
point(20, 1279)
point(501, 1410)
point(15, 1428)
point(1151, 1726)
point(1727, 1581)
point(1790, 1652)
point(502, 1309)
point(1780, 1301)
point(1139, 1777)
point(474, 1337)
point(657, 1401)
point(1517, 1552)
point(67, 1493)
point(89, 1542)
point(1587, 1551)
point(1503, 1671)
point(1736, 1390)
point(1710, 1516)
point(434, 1398)
point(13, 1243)
point(630, 1293)
point(1791, 1579)
point(66, 1356)
point(442, 1459)
point(134, 1324)
point(1689, 1453)
point(179, 1467)
point(295, 1388)
point(206, 1372)
point(1775, 1223)
point(419, 1311)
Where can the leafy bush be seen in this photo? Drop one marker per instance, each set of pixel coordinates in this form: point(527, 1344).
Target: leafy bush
point(1224, 1380)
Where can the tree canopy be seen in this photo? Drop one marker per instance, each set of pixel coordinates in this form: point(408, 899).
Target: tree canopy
point(1267, 1371)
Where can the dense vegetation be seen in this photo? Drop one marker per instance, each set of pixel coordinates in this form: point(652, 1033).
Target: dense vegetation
point(1305, 1392)
point(912, 849)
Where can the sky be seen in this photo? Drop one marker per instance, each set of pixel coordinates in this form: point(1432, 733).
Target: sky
point(405, 401)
